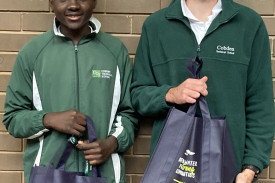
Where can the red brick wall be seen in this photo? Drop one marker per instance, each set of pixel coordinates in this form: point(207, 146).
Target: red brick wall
point(20, 20)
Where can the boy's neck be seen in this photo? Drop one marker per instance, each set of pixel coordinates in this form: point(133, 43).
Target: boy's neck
point(201, 9)
point(76, 35)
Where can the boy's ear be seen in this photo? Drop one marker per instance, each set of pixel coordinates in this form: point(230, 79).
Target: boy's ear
point(95, 2)
point(51, 4)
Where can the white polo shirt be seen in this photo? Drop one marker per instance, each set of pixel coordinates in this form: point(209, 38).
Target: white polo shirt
point(198, 27)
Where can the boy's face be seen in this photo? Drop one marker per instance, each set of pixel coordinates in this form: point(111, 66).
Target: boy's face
point(73, 15)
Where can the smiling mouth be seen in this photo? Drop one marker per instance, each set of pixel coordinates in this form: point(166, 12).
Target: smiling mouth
point(73, 17)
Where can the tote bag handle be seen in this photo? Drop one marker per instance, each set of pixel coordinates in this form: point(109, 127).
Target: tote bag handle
point(70, 146)
point(194, 66)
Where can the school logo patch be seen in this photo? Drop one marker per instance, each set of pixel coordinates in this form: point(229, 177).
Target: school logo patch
point(225, 50)
point(105, 74)
point(96, 74)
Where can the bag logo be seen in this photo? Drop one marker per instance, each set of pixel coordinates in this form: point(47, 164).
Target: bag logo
point(186, 168)
point(105, 74)
point(188, 152)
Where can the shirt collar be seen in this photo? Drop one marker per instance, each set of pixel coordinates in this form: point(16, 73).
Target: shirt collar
point(187, 13)
point(93, 21)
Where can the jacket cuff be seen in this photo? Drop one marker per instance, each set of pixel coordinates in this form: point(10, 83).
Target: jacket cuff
point(38, 125)
point(165, 89)
point(120, 147)
point(253, 161)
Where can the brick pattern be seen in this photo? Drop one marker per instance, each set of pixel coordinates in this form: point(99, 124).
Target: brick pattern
point(24, 19)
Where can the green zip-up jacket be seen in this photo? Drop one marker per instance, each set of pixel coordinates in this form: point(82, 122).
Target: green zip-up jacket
point(236, 57)
point(52, 74)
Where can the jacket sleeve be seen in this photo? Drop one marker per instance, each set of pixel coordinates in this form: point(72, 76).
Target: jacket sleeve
point(148, 97)
point(259, 103)
point(125, 122)
point(21, 118)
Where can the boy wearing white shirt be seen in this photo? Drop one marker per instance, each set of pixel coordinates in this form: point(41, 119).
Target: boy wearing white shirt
point(233, 43)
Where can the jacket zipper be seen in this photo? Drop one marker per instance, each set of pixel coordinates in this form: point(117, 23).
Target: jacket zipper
point(77, 77)
point(198, 45)
point(87, 166)
point(77, 93)
point(198, 50)
point(194, 37)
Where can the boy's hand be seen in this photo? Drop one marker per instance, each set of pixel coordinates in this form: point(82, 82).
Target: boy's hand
point(246, 176)
point(188, 91)
point(70, 122)
point(99, 151)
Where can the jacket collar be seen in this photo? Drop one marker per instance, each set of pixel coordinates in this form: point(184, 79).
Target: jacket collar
point(174, 11)
point(94, 24)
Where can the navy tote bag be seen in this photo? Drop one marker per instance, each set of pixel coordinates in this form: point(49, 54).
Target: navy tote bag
point(52, 174)
point(192, 149)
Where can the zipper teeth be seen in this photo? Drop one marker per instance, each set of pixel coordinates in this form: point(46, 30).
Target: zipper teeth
point(77, 95)
point(77, 77)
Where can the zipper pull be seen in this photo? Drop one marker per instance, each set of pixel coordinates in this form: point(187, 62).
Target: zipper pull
point(75, 48)
point(198, 50)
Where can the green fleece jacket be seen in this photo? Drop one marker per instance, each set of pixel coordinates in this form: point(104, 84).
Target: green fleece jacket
point(236, 56)
point(52, 74)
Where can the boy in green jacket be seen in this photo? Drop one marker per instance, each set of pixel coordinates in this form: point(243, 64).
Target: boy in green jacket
point(60, 77)
point(233, 43)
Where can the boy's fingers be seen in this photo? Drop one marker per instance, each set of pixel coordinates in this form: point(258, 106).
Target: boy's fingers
point(204, 79)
